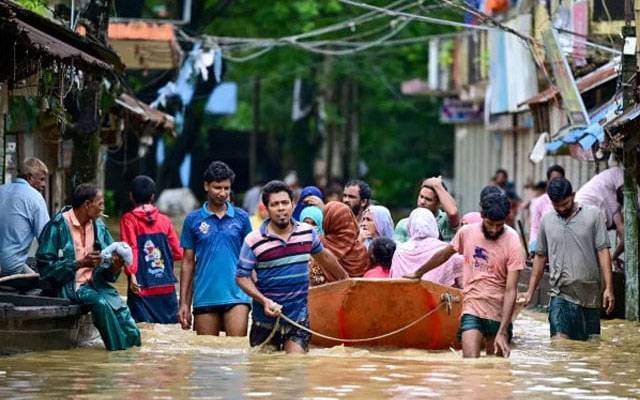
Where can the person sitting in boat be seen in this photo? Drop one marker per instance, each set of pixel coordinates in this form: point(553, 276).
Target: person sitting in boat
point(422, 245)
point(493, 259)
point(341, 239)
point(152, 291)
point(376, 223)
point(314, 217)
point(70, 264)
point(24, 215)
point(380, 253)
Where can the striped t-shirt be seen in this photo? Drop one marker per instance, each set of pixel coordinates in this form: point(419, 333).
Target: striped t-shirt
point(281, 266)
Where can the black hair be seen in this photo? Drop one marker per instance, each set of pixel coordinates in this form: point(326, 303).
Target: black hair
point(559, 189)
point(218, 171)
point(495, 207)
point(489, 190)
point(541, 185)
point(554, 168)
point(275, 187)
point(501, 171)
point(382, 250)
point(82, 193)
point(363, 187)
point(142, 189)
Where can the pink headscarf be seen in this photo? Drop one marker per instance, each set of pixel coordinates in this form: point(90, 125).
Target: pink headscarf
point(423, 243)
point(471, 218)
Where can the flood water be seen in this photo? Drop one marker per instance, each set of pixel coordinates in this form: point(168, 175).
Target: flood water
point(176, 364)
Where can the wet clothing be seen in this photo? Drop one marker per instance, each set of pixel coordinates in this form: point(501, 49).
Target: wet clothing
point(488, 327)
point(486, 265)
point(341, 238)
point(573, 320)
point(261, 331)
point(24, 215)
point(445, 232)
point(155, 247)
point(215, 309)
point(572, 247)
point(216, 243)
point(281, 267)
point(56, 261)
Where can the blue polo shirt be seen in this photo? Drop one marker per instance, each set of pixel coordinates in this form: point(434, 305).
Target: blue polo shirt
point(216, 243)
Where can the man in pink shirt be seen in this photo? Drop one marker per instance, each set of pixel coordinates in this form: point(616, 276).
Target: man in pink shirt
point(493, 258)
point(540, 206)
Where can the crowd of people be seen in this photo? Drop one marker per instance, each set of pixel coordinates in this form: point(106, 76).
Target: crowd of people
point(240, 267)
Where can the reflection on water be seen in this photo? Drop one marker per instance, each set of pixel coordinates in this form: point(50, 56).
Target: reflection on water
point(177, 364)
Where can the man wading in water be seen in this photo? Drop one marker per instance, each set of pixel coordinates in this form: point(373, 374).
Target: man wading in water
point(279, 253)
point(493, 258)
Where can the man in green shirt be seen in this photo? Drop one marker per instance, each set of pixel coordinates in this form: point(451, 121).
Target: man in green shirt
point(434, 196)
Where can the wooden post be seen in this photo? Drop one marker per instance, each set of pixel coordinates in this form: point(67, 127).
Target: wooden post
point(253, 137)
point(629, 66)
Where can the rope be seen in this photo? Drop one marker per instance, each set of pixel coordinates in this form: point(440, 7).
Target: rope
point(446, 300)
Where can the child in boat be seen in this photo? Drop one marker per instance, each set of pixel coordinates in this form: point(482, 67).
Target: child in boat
point(381, 253)
point(152, 293)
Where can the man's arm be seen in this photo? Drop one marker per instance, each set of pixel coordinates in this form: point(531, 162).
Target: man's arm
point(536, 275)
point(330, 263)
point(619, 223)
point(501, 341)
point(186, 288)
point(608, 299)
point(438, 259)
point(271, 308)
point(447, 202)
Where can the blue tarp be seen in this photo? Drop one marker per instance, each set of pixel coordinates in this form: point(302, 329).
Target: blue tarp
point(589, 135)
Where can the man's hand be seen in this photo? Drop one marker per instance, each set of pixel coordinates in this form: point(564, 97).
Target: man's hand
point(501, 344)
point(184, 316)
point(433, 182)
point(314, 201)
point(608, 300)
point(525, 298)
point(117, 260)
point(133, 284)
point(272, 309)
point(91, 260)
point(413, 276)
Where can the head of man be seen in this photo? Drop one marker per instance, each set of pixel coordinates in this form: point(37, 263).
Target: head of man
point(218, 178)
point(494, 211)
point(555, 171)
point(143, 190)
point(356, 195)
point(489, 190)
point(501, 178)
point(561, 194)
point(35, 172)
point(87, 202)
point(428, 198)
point(278, 198)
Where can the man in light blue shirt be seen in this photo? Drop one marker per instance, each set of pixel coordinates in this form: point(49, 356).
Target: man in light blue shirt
point(23, 215)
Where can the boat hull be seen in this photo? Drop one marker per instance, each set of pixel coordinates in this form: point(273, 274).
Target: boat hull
point(365, 308)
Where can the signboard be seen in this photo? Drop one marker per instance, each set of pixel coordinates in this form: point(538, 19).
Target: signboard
point(455, 111)
point(571, 99)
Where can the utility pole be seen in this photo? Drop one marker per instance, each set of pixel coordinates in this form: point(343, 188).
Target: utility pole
point(253, 137)
point(629, 67)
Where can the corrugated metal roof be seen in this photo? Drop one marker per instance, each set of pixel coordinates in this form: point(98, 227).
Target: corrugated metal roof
point(592, 80)
point(145, 113)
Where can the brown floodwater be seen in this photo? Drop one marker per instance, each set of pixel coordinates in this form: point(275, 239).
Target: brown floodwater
point(177, 364)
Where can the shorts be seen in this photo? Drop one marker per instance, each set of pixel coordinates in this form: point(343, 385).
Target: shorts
point(260, 331)
point(487, 327)
point(219, 309)
point(573, 320)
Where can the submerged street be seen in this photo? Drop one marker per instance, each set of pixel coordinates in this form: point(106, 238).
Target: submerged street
point(178, 364)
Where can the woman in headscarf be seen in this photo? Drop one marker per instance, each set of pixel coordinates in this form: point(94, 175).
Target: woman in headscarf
point(307, 192)
point(422, 245)
point(376, 222)
point(313, 216)
point(341, 239)
point(471, 218)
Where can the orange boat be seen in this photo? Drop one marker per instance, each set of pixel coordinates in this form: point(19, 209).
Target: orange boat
point(366, 308)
